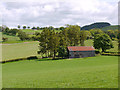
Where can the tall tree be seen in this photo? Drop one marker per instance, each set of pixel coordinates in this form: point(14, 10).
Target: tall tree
point(24, 27)
point(53, 43)
point(103, 41)
point(73, 34)
point(83, 37)
point(19, 26)
point(28, 27)
point(38, 28)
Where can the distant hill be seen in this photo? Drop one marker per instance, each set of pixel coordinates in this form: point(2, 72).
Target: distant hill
point(112, 27)
point(96, 25)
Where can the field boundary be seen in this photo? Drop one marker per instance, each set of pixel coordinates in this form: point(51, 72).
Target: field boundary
point(20, 59)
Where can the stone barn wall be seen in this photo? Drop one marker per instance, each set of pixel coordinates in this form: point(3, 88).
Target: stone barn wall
point(81, 54)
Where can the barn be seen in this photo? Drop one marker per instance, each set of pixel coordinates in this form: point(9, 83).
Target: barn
point(81, 51)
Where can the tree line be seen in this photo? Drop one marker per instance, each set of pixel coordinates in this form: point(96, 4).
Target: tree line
point(54, 43)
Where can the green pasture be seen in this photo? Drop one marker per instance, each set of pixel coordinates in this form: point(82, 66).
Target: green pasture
point(30, 31)
point(92, 72)
point(19, 50)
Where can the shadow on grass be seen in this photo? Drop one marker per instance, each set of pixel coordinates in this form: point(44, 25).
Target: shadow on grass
point(49, 59)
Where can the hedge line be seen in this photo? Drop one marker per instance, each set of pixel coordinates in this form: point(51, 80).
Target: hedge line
point(19, 59)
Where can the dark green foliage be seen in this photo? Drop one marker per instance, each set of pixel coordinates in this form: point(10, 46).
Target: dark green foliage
point(23, 36)
point(5, 30)
point(4, 39)
point(83, 37)
point(32, 57)
point(103, 41)
point(95, 25)
point(38, 28)
point(50, 27)
point(112, 27)
point(24, 27)
point(62, 28)
point(33, 28)
point(95, 31)
point(62, 52)
point(19, 26)
point(111, 33)
point(13, 32)
point(28, 27)
point(73, 32)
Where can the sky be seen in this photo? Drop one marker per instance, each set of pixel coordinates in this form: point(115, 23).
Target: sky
point(57, 13)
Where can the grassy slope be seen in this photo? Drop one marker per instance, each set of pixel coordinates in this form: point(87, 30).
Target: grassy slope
point(30, 31)
point(113, 27)
point(13, 51)
point(93, 72)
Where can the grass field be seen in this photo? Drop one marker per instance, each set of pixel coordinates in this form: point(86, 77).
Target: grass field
point(20, 50)
point(30, 31)
point(92, 72)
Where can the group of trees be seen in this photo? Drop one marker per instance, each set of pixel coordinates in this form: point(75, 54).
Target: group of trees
point(52, 43)
point(8, 31)
point(55, 43)
point(24, 27)
point(40, 28)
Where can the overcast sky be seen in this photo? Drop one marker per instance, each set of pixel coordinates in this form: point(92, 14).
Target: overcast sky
point(58, 12)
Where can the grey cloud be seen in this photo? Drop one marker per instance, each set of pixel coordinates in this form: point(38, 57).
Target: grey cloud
point(54, 13)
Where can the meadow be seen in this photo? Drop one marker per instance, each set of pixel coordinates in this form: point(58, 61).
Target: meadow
point(19, 50)
point(92, 72)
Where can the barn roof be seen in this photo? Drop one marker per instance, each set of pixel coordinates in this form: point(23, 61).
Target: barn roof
point(80, 48)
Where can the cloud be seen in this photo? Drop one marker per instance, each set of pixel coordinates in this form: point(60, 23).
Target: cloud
point(58, 12)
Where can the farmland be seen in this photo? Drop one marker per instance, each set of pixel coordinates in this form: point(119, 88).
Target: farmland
point(93, 72)
point(19, 50)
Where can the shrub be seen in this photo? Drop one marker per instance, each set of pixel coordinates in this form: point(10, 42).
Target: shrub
point(4, 39)
point(32, 57)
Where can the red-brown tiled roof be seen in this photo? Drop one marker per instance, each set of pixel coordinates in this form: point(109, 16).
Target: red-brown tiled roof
point(80, 48)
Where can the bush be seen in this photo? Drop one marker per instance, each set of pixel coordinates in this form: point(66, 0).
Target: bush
point(23, 36)
point(97, 52)
point(4, 39)
point(32, 57)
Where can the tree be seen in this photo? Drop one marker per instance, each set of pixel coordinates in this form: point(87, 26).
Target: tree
point(62, 28)
point(88, 34)
point(96, 31)
point(73, 34)
point(4, 39)
point(103, 41)
point(111, 33)
point(19, 26)
point(44, 41)
point(28, 27)
point(38, 28)
point(33, 28)
point(23, 36)
point(62, 51)
point(50, 27)
point(24, 27)
point(83, 37)
point(53, 43)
